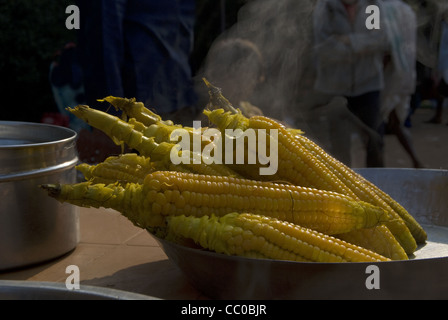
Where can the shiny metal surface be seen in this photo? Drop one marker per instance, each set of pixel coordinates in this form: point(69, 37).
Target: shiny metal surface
point(425, 276)
point(34, 228)
point(42, 290)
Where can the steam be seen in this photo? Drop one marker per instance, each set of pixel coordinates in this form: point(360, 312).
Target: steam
point(282, 32)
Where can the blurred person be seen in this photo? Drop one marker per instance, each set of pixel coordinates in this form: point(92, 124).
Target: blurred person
point(137, 49)
point(424, 88)
point(442, 70)
point(400, 72)
point(432, 17)
point(349, 62)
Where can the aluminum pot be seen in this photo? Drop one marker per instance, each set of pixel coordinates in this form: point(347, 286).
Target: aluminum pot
point(33, 227)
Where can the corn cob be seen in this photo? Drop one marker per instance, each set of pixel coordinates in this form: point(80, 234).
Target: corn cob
point(378, 239)
point(217, 100)
point(136, 110)
point(162, 132)
point(296, 164)
point(166, 193)
point(298, 171)
point(248, 235)
point(149, 123)
point(415, 228)
point(237, 121)
point(122, 132)
point(128, 167)
point(357, 190)
point(127, 199)
point(227, 120)
point(221, 105)
point(367, 191)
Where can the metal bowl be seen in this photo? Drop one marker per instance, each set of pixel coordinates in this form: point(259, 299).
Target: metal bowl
point(33, 228)
point(45, 290)
point(425, 276)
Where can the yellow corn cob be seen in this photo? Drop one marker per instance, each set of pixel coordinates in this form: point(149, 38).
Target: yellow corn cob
point(236, 121)
point(227, 120)
point(295, 163)
point(149, 123)
point(136, 110)
point(127, 167)
point(217, 100)
point(127, 199)
point(162, 132)
point(356, 189)
point(367, 191)
point(378, 239)
point(245, 234)
point(166, 193)
point(131, 133)
point(221, 105)
point(304, 163)
point(415, 228)
point(123, 132)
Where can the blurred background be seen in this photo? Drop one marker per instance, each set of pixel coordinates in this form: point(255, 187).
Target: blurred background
point(33, 35)
point(40, 55)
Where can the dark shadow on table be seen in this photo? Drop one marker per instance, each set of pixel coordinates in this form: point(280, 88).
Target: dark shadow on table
point(159, 279)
